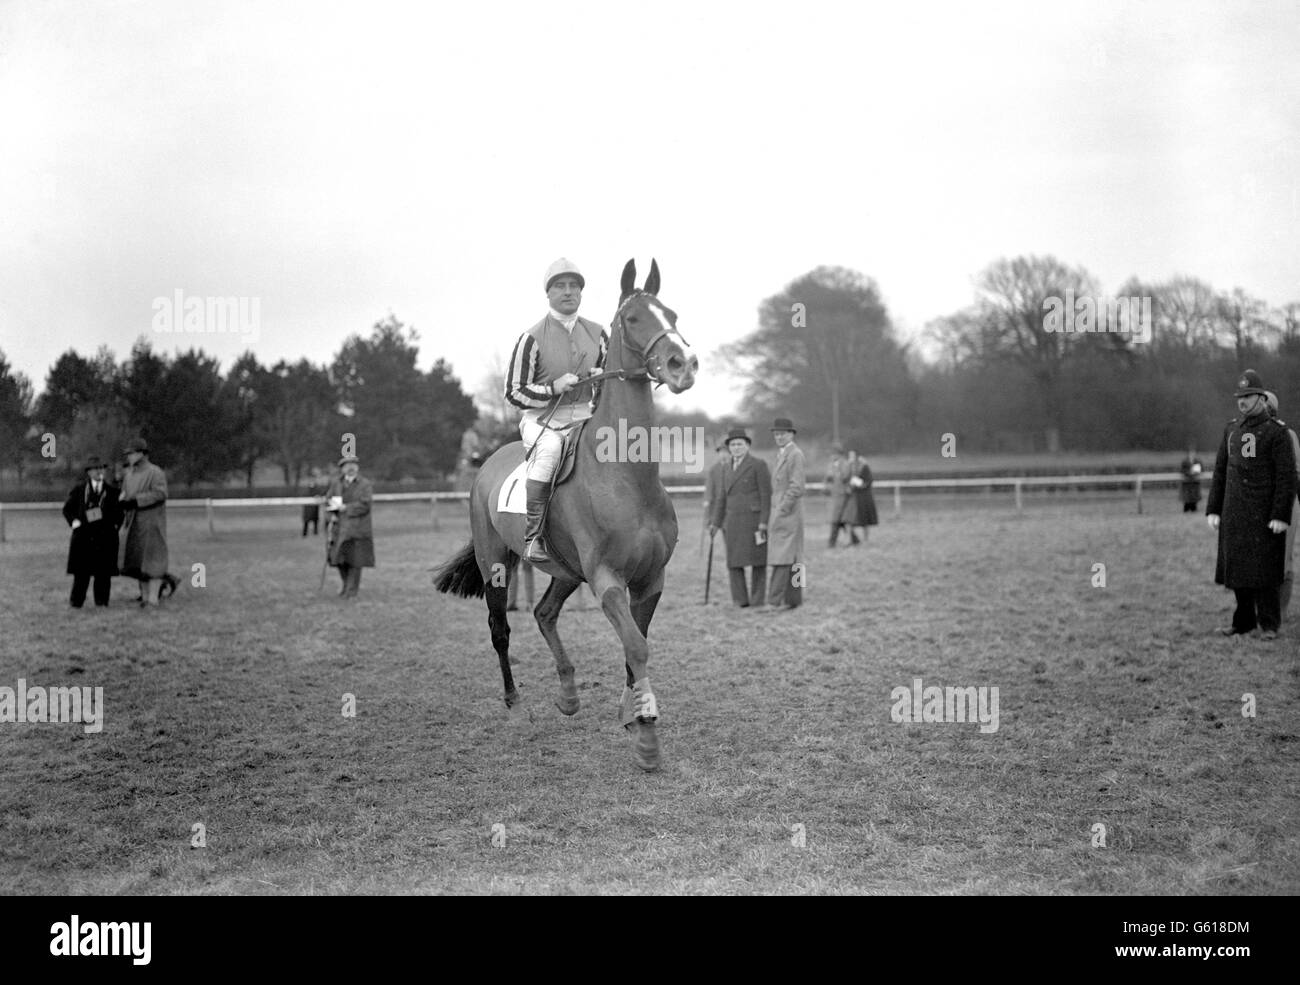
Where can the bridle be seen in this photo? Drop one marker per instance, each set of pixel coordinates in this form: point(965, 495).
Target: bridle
point(642, 353)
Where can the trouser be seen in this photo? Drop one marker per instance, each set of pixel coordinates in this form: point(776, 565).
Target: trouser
point(311, 518)
point(80, 582)
point(350, 576)
point(758, 586)
point(835, 533)
point(150, 588)
point(1189, 507)
point(1257, 607)
point(784, 591)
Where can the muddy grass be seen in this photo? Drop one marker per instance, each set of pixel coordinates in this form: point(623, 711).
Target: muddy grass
point(1118, 706)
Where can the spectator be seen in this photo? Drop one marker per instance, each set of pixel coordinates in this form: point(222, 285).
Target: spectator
point(843, 510)
point(1189, 490)
point(1250, 506)
point(1284, 597)
point(785, 529)
point(741, 511)
point(863, 501)
point(93, 513)
point(350, 498)
point(144, 504)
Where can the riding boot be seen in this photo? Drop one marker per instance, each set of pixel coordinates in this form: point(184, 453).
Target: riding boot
point(534, 545)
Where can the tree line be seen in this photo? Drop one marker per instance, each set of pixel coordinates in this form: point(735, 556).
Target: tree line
point(207, 426)
point(1002, 375)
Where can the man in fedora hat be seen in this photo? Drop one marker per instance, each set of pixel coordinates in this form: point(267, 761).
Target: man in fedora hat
point(546, 368)
point(1250, 506)
point(785, 529)
point(741, 511)
point(93, 513)
point(352, 546)
point(144, 504)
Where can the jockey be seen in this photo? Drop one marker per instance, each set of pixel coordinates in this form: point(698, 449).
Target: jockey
point(545, 372)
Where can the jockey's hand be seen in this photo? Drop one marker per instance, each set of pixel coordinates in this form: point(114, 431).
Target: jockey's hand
point(1278, 526)
point(1213, 520)
point(564, 383)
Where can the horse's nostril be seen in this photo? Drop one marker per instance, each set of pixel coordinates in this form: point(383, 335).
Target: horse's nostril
point(675, 364)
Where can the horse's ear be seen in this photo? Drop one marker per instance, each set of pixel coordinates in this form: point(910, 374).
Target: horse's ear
point(652, 282)
point(628, 283)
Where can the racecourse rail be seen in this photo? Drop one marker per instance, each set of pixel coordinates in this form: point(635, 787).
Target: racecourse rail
point(1019, 484)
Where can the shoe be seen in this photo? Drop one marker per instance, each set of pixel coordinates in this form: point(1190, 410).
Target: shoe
point(1268, 634)
point(1234, 631)
point(538, 496)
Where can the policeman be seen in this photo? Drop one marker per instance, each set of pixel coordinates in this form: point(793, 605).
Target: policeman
point(546, 368)
point(1250, 507)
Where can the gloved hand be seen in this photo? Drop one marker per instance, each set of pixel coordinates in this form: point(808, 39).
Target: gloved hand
point(564, 384)
point(76, 524)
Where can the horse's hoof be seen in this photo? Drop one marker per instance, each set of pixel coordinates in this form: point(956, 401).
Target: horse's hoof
point(567, 703)
point(646, 750)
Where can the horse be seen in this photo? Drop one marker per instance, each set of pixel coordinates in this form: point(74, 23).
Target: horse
point(610, 525)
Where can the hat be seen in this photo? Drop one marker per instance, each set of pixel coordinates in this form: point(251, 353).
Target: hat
point(349, 458)
point(137, 444)
point(784, 424)
point(94, 462)
point(735, 433)
point(561, 267)
point(1249, 384)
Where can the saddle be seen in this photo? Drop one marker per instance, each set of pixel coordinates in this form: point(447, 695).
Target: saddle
point(512, 498)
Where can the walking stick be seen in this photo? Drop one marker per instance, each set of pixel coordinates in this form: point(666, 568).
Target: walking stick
point(708, 575)
point(329, 541)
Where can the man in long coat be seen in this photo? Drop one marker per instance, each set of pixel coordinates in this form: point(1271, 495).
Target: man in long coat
point(353, 545)
point(785, 529)
point(1189, 489)
point(93, 513)
point(144, 504)
point(1250, 507)
point(741, 511)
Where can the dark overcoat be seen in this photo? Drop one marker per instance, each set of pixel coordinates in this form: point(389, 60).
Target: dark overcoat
point(1189, 489)
point(746, 501)
point(863, 500)
point(144, 552)
point(713, 487)
point(1254, 482)
point(93, 550)
point(354, 542)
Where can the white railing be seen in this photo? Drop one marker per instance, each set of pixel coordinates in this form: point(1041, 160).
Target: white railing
point(1017, 483)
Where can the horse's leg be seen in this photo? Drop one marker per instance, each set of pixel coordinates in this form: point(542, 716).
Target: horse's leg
point(639, 705)
point(548, 613)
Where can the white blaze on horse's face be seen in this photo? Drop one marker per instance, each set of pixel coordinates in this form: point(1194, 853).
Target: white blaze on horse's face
point(679, 365)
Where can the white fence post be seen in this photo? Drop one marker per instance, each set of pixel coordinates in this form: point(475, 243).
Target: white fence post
point(1020, 505)
point(207, 508)
point(1139, 494)
point(898, 499)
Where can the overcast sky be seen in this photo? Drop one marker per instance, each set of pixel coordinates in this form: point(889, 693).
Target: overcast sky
point(341, 162)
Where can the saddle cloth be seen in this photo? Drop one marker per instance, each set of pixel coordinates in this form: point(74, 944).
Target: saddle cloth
point(513, 497)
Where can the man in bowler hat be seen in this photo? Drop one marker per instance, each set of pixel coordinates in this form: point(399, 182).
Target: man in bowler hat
point(741, 512)
point(93, 513)
point(1250, 507)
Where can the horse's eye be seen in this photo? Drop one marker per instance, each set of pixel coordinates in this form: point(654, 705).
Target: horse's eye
point(632, 319)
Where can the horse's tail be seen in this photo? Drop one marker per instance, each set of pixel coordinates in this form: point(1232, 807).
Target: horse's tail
point(460, 576)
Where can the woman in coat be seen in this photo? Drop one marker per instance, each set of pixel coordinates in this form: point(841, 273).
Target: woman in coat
point(861, 501)
point(93, 513)
point(843, 510)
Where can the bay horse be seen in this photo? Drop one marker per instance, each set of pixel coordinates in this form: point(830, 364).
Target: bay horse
point(611, 524)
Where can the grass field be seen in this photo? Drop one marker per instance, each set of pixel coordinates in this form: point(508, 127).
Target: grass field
point(1119, 706)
